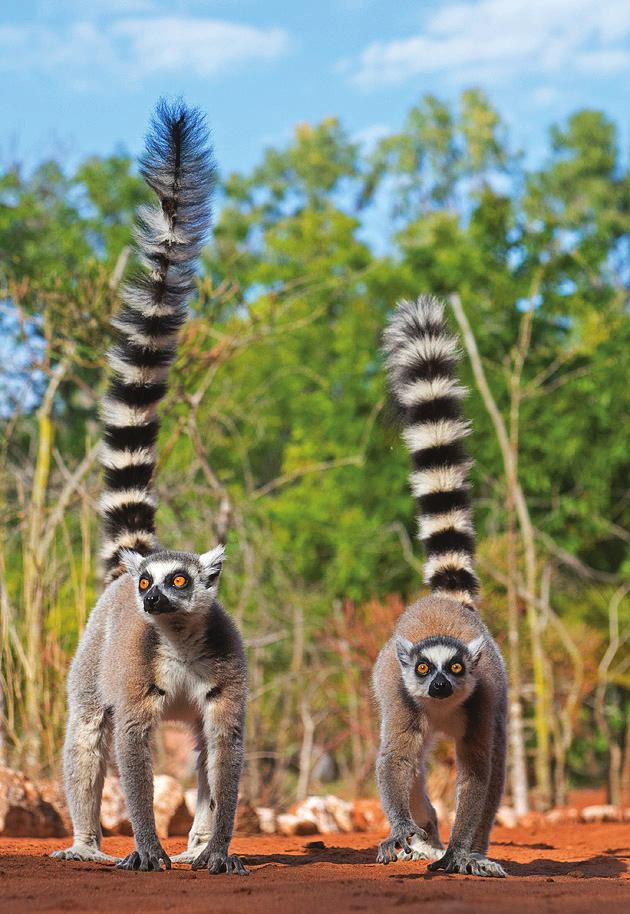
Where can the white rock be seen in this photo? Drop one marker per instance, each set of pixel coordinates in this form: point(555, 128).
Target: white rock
point(604, 813)
point(330, 814)
point(171, 814)
point(266, 819)
point(168, 805)
point(190, 799)
point(506, 817)
point(24, 810)
point(114, 818)
point(289, 824)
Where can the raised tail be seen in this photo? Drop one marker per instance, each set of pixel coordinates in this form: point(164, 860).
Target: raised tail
point(422, 357)
point(177, 164)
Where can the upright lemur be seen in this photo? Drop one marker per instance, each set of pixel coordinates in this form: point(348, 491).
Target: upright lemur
point(157, 643)
point(441, 671)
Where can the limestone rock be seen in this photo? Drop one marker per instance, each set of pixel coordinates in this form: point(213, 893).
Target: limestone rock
point(114, 818)
point(171, 815)
point(563, 815)
point(603, 813)
point(24, 811)
point(330, 814)
point(506, 817)
point(289, 824)
point(266, 820)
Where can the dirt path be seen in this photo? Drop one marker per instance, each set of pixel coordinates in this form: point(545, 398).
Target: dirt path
point(552, 869)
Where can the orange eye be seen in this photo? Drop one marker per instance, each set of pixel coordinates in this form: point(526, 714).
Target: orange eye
point(144, 583)
point(456, 668)
point(179, 580)
point(422, 668)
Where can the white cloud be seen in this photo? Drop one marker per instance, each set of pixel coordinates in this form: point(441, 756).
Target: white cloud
point(545, 96)
point(368, 137)
point(205, 46)
point(503, 38)
point(136, 47)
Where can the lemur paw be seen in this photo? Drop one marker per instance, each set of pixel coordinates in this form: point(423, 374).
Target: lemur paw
point(459, 861)
point(422, 850)
point(85, 854)
point(387, 850)
point(186, 856)
point(220, 862)
point(196, 844)
point(146, 860)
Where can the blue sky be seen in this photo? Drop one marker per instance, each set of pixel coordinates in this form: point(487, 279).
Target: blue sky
point(81, 76)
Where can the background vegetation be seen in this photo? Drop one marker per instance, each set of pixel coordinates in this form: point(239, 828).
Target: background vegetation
point(276, 433)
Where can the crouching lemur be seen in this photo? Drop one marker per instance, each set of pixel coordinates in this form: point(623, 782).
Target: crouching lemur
point(441, 672)
point(157, 644)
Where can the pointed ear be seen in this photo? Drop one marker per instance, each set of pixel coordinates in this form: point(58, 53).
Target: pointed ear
point(132, 560)
point(403, 651)
point(475, 649)
point(212, 564)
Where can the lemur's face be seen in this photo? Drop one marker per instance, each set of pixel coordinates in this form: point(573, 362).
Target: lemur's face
point(439, 668)
point(174, 582)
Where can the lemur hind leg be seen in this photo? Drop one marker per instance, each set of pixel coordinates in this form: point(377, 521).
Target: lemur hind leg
point(423, 812)
point(86, 750)
point(201, 829)
point(223, 726)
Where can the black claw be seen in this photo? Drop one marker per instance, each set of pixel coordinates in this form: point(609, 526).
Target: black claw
point(235, 866)
point(149, 863)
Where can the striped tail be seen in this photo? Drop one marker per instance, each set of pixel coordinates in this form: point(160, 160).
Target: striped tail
point(422, 358)
point(177, 164)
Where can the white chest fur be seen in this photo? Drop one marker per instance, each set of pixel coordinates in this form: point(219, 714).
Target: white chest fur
point(184, 672)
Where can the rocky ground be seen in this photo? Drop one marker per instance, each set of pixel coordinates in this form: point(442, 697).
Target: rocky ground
point(316, 856)
point(552, 868)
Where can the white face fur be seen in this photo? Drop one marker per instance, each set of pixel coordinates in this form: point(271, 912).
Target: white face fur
point(173, 583)
point(438, 669)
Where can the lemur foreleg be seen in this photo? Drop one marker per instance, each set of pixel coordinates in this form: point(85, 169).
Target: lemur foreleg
point(480, 764)
point(399, 771)
point(133, 752)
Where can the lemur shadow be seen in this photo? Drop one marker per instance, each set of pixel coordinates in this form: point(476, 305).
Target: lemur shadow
point(536, 847)
point(603, 866)
point(339, 855)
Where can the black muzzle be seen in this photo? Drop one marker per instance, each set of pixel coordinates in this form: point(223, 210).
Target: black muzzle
point(155, 602)
point(440, 687)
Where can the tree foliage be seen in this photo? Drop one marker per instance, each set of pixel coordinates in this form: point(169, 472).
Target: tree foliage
point(277, 431)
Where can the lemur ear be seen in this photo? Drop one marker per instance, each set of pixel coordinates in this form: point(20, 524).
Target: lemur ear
point(403, 650)
point(132, 560)
point(475, 649)
point(212, 564)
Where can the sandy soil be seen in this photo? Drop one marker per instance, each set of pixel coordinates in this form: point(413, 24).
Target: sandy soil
point(552, 869)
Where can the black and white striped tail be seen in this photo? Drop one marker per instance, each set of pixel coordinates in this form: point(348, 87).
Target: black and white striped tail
point(422, 357)
point(177, 164)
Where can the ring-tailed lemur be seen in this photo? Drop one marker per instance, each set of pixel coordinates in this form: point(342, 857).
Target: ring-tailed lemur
point(157, 643)
point(441, 671)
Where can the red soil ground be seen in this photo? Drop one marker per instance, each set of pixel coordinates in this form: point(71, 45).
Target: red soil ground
point(565, 868)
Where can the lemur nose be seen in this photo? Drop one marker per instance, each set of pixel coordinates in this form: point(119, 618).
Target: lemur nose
point(152, 598)
point(440, 687)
